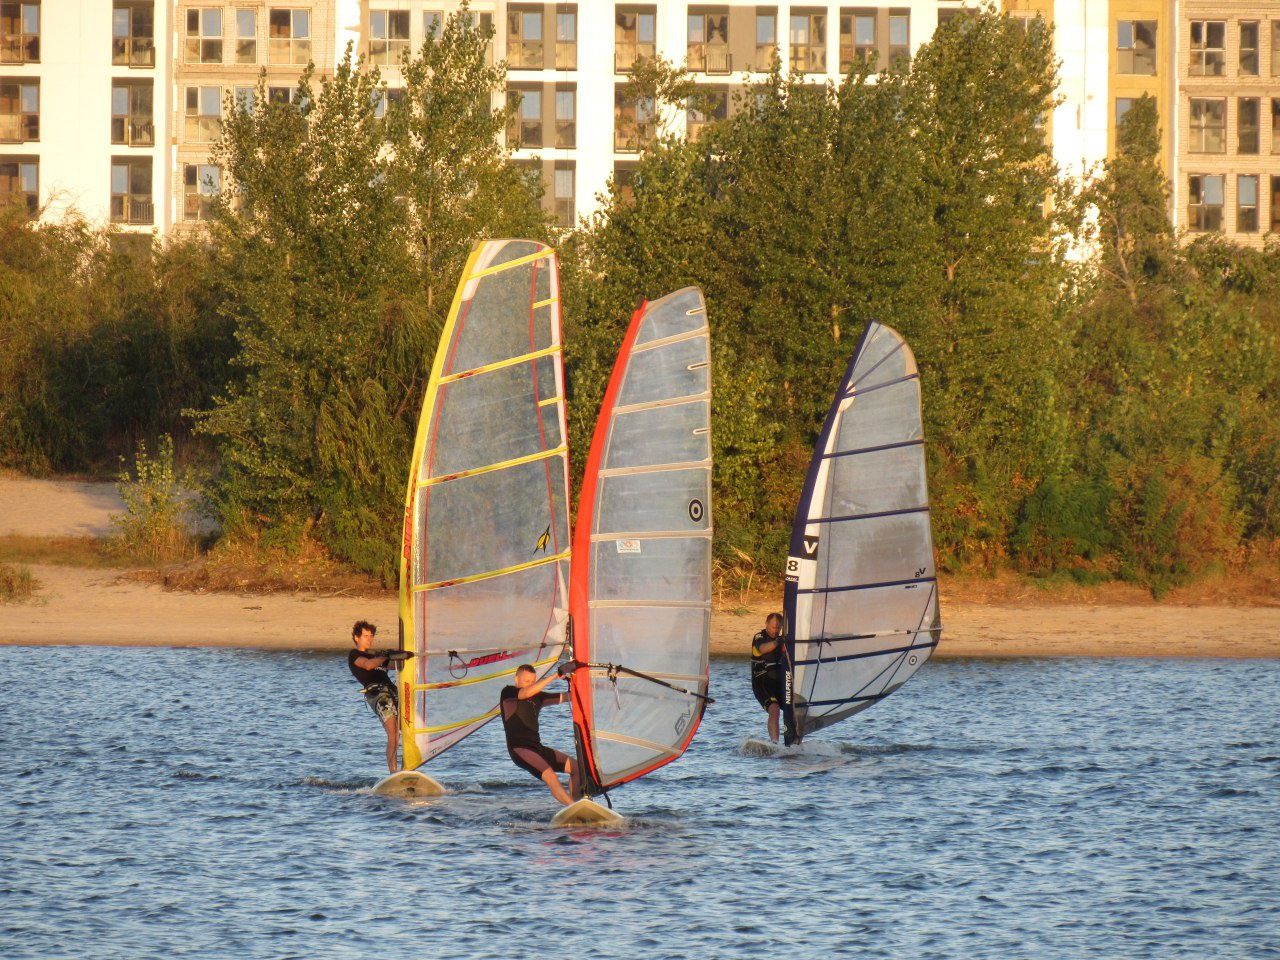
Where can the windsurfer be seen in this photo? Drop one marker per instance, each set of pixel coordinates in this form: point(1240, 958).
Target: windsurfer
point(766, 669)
point(520, 705)
point(370, 668)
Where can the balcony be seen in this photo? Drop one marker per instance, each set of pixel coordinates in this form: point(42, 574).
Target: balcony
point(526, 55)
point(625, 54)
point(133, 133)
point(19, 128)
point(384, 52)
point(631, 136)
point(851, 54)
point(567, 55)
point(197, 206)
point(133, 52)
point(20, 48)
point(710, 58)
point(524, 134)
point(564, 212)
point(132, 208)
point(808, 58)
point(566, 134)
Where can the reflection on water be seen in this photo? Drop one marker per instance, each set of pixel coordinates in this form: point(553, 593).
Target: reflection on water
point(209, 803)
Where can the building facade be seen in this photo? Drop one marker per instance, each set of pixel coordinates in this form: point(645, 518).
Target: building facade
point(111, 107)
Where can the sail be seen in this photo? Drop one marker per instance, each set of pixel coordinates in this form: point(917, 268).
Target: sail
point(484, 566)
point(861, 595)
point(641, 590)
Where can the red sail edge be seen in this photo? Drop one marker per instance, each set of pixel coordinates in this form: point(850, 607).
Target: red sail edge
point(580, 565)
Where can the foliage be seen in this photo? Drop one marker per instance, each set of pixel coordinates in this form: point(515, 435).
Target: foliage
point(16, 583)
point(154, 526)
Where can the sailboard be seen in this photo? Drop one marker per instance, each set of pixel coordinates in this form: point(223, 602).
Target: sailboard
point(861, 590)
point(640, 592)
point(485, 560)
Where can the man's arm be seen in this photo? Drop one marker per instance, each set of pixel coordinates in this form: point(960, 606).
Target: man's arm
point(535, 688)
point(371, 662)
point(766, 647)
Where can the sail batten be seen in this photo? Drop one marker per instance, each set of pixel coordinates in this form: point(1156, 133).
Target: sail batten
point(641, 591)
point(861, 571)
point(486, 541)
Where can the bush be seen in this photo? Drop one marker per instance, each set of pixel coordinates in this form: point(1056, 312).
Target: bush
point(154, 526)
point(16, 583)
point(1173, 518)
point(1062, 527)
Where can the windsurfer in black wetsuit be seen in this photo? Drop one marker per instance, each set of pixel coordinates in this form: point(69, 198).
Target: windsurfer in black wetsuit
point(520, 705)
point(370, 668)
point(766, 669)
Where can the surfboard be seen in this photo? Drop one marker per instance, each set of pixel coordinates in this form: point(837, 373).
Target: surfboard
point(586, 813)
point(408, 783)
point(761, 748)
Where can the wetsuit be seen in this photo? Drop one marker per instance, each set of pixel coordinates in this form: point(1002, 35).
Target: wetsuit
point(379, 691)
point(766, 670)
point(520, 720)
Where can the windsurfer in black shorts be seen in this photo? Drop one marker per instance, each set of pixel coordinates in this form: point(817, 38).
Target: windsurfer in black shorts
point(370, 668)
point(766, 669)
point(520, 705)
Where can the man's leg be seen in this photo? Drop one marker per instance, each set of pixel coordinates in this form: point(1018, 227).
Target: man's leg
point(553, 784)
point(392, 727)
point(773, 721)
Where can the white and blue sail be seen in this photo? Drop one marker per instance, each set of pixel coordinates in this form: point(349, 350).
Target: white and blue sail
point(861, 597)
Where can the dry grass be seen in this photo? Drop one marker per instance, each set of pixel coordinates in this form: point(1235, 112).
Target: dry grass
point(16, 583)
point(58, 551)
point(240, 567)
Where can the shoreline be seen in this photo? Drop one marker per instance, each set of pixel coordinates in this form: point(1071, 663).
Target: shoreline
point(104, 607)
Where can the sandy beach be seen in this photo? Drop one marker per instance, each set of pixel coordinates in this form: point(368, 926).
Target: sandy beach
point(77, 605)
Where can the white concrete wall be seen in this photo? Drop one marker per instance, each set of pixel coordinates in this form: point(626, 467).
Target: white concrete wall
point(1081, 33)
point(75, 73)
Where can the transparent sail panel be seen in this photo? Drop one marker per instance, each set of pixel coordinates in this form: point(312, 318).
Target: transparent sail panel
point(485, 586)
point(650, 559)
point(863, 605)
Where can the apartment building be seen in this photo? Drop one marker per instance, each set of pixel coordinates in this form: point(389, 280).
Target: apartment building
point(1227, 138)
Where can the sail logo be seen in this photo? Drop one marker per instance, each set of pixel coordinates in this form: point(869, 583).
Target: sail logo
point(543, 539)
point(811, 547)
point(793, 570)
point(628, 546)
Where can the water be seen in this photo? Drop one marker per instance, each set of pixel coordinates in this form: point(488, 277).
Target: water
point(211, 803)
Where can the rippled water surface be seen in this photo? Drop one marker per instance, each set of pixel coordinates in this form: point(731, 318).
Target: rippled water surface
point(210, 803)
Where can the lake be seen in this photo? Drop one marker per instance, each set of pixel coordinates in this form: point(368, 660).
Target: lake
point(214, 803)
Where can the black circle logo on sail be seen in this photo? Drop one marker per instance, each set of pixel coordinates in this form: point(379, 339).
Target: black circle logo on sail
point(695, 510)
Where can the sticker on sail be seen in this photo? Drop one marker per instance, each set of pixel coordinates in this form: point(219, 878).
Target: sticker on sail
point(628, 546)
point(695, 510)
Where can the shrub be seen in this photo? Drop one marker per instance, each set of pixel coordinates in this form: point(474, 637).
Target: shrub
point(153, 527)
point(1062, 527)
point(16, 583)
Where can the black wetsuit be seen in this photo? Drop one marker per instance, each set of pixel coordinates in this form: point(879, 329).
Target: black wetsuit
point(766, 670)
point(379, 691)
point(520, 720)
point(368, 678)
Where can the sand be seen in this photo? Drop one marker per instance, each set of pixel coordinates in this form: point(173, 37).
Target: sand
point(87, 606)
point(57, 508)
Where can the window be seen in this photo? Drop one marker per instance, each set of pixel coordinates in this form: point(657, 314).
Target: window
point(857, 38)
point(1248, 110)
point(388, 35)
point(204, 35)
point(1204, 202)
point(624, 180)
point(899, 38)
point(634, 126)
point(707, 106)
point(133, 35)
point(200, 184)
point(1208, 125)
point(562, 187)
point(1275, 204)
point(432, 23)
point(566, 38)
point(383, 98)
point(566, 117)
point(634, 31)
point(1136, 47)
point(524, 38)
point(1275, 125)
point(766, 38)
point(1123, 106)
point(525, 131)
point(19, 110)
point(20, 182)
point(203, 114)
point(1249, 48)
point(131, 190)
point(246, 98)
point(246, 35)
point(1275, 48)
point(1208, 48)
point(131, 119)
point(19, 32)
point(1247, 203)
point(808, 42)
point(290, 36)
point(282, 95)
point(709, 43)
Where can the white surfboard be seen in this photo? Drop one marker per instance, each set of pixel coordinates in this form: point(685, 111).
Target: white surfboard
point(586, 813)
point(408, 783)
